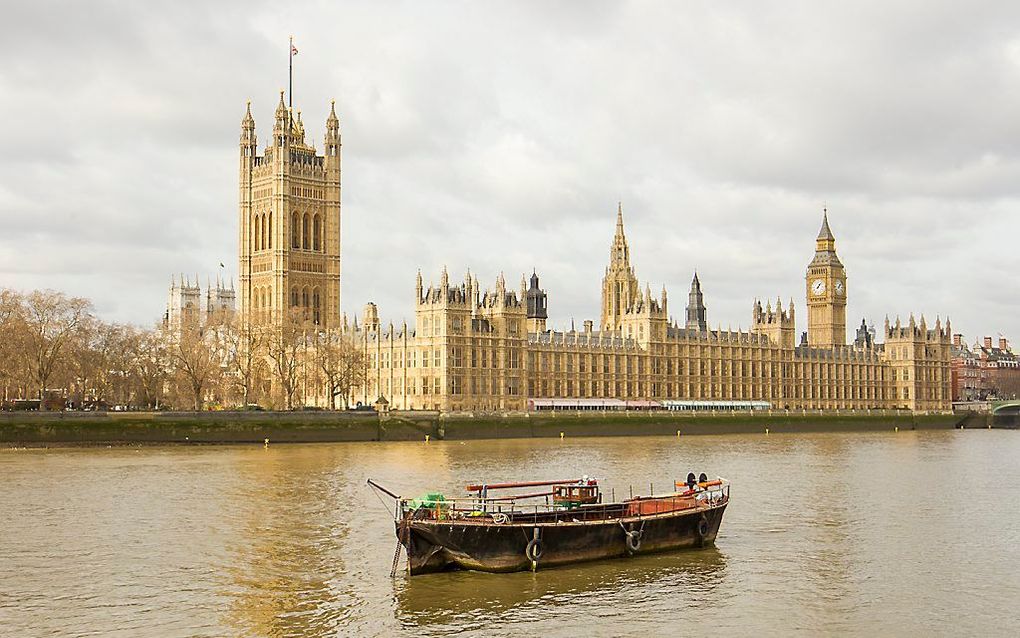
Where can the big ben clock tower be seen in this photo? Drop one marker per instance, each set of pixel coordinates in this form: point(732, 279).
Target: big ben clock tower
point(826, 292)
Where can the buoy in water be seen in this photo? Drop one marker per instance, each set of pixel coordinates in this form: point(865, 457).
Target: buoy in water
point(561, 435)
point(426, 438)
point(265, 443)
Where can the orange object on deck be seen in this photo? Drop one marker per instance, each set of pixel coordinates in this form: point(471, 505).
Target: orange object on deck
point(645, 506)
point(678, 485)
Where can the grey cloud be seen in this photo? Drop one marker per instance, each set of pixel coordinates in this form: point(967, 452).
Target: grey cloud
point(500, 137)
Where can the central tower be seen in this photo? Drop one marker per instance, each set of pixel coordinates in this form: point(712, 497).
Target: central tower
point(289, 223)
point(826, 292)
point(619, 286)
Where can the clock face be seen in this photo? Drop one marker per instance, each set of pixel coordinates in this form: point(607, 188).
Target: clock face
point(818, 287)
point(839, 287)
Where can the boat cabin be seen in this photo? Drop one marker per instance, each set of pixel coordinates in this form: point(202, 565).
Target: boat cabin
point(575, 495)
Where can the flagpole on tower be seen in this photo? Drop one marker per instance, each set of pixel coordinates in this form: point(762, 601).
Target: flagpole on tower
point(290, 73)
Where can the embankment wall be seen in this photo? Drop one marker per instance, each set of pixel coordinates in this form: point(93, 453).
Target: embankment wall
point(68, 428)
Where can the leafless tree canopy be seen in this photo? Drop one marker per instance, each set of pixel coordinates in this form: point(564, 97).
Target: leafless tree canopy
point(55, 353)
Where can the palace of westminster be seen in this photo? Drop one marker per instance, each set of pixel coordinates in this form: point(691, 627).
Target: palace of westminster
point(490, 350)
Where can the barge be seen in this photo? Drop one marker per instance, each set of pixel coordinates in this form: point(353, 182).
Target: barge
point(565, 523)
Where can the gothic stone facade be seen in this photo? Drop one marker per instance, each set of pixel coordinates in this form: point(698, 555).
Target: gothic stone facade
point(470, 350)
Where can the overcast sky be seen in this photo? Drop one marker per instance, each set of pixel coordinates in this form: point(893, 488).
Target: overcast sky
point(500, 137)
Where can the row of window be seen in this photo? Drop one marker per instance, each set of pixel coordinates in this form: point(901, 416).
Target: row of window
point(476, 357)
point(309, 300)
point(306, 232)
point(429, 327)
point(426, 386)
point(624, 364)
point(597, 389)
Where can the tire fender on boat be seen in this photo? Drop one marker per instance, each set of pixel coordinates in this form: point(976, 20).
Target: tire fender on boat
point(633, 537)
point(703, 527)
point(534, 549)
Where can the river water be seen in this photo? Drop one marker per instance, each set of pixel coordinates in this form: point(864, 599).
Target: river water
point(882, 533)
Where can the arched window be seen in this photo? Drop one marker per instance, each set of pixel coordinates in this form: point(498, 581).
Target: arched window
point(315, 306)
point(255, 234)
point(295, 231)
point(293, 297)
point(305, 234)
point(264, 243)
point(304, 297)
point(270, 243)
point(316, 233)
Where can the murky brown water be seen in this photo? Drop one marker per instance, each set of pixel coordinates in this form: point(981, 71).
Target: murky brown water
point(890, 534)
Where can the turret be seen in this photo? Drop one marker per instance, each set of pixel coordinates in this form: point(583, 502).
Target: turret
point(249, 141)
point(696, 311)
point(281, 123)
point(370, 317)
point(865, 336)
point(778, 325)
point(537, 303)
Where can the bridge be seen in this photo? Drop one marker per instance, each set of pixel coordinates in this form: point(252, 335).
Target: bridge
point(1006, 408)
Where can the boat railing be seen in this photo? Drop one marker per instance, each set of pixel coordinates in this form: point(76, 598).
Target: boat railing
point(505, 509)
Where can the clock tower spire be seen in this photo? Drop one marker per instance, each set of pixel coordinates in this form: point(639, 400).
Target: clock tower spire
point(826, 292)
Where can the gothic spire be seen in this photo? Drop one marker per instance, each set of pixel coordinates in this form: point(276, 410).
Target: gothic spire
point(281, 108)
point(620, 253)
point(281, 126)
point(825, 234)
point(696, 311)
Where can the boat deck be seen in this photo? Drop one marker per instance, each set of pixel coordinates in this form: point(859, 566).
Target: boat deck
point(474, 512)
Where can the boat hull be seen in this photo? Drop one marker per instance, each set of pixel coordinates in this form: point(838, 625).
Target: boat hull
point(435, 546)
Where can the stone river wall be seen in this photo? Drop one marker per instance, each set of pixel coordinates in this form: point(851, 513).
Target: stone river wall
point(76, 428)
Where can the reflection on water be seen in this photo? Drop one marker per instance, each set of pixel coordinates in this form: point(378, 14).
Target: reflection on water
point(882, 533)
point(469, 599)
point(287, 551)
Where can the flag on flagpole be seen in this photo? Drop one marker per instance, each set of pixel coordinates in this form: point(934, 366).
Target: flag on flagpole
point(293, 49)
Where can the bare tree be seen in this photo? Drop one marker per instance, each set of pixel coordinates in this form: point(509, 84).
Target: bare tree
point(149, 361)
point(117, 382)
point(194, 359)
point(50, 320)
point(92, 357)
point(246, 355)
point(285, 345)
point(339, 363)
point(11, 331)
